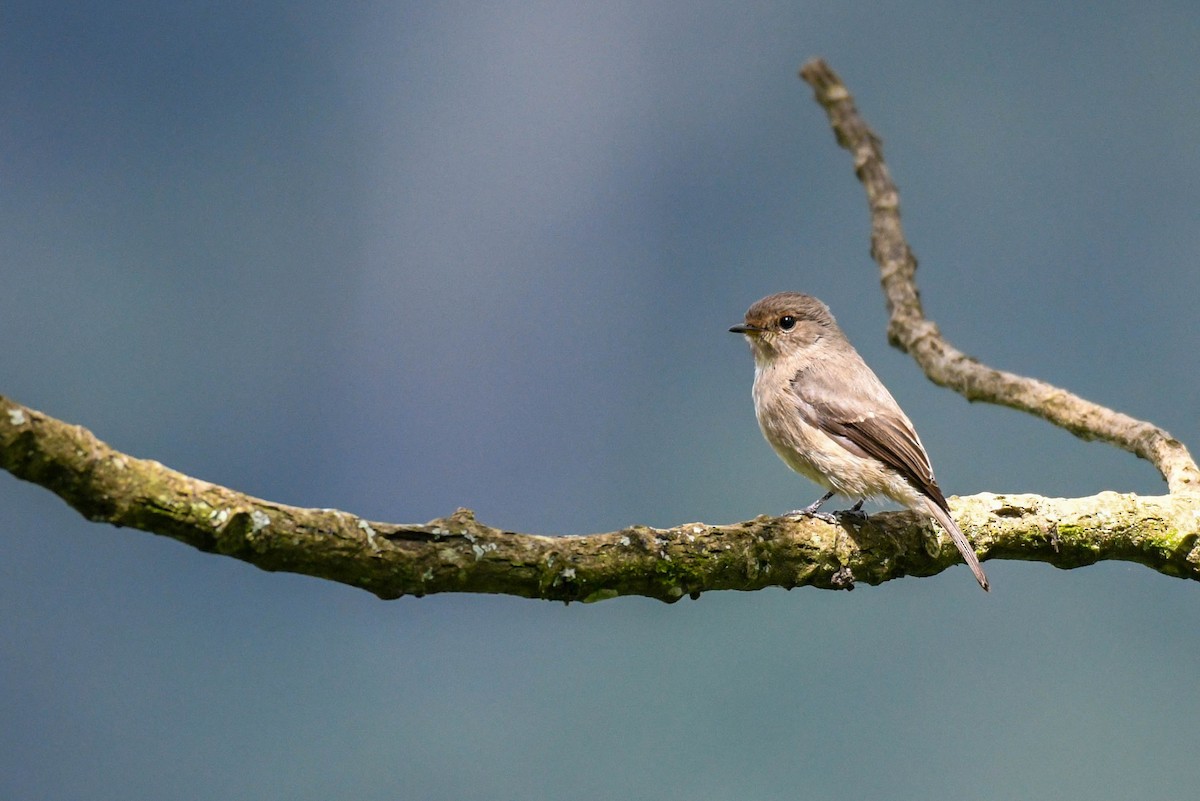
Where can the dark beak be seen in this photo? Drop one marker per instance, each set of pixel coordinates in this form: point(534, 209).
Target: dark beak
point(745, 329)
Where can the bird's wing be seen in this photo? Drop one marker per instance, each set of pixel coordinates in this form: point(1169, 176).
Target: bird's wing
point(864, 418)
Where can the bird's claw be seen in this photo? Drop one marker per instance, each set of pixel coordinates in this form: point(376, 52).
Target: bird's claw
point(828, 517)
point(854, 516)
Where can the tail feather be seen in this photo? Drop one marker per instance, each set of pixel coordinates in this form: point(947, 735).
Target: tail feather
point(960, 540)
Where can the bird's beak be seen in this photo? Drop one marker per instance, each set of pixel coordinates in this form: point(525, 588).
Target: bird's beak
point(745, 329)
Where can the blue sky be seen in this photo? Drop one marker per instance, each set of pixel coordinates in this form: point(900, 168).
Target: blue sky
point(397, 258)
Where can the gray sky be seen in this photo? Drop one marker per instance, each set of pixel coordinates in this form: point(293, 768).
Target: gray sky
point(397, 258)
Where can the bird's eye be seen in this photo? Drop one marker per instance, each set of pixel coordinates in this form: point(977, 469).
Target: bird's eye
point(787, 322)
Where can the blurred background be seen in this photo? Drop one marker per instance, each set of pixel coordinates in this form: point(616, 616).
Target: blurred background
point(397, 258)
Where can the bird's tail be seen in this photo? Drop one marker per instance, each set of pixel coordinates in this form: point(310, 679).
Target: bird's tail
point(964, 546)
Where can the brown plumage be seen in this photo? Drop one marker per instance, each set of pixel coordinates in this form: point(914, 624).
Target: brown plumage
point(831, 419)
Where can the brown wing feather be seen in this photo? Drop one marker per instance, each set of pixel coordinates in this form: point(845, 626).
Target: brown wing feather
point(865, 418)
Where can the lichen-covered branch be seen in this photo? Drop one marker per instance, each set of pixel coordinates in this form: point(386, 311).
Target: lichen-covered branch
point(945, 365)
point(460, 554)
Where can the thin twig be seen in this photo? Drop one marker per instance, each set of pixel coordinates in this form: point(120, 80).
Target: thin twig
point(944, 364)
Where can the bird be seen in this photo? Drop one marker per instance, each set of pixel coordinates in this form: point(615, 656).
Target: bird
point(830, 419)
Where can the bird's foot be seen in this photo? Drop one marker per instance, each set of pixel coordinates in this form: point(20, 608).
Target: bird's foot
point(808, 511)
point(854, 515)
point(811, 510)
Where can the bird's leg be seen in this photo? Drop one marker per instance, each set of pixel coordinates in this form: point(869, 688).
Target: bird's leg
point(811, 510)
point(854, 514)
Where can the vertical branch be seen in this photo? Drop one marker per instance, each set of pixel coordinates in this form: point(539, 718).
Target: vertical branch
point(945, 365)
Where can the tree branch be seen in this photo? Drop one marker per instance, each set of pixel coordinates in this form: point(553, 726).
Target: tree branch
point(460, 554)
point(944, 364)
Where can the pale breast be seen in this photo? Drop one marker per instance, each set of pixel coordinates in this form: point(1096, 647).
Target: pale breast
point(816, 455)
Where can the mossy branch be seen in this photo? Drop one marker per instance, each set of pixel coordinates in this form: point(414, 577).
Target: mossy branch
point(460, 554)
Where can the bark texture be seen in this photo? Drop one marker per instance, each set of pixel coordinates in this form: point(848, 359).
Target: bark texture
point(460, 554)
point(919, 337)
